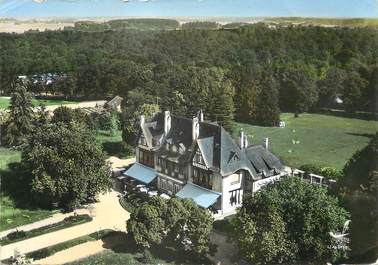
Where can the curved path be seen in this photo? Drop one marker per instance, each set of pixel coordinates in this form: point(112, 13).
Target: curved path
point(107, 214)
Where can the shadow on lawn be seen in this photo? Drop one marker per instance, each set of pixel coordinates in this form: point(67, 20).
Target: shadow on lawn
point(367, 135)
point(115, 149)
point(124, 243)
point(368, 116)
point(15, 183)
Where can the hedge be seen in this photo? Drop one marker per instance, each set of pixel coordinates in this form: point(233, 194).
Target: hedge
point(20, 235)
point(49, 251)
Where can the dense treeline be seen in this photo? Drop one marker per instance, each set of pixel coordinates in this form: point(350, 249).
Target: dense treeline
point(250, 73)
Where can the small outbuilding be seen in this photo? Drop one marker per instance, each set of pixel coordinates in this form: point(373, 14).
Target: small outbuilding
point(114, 104)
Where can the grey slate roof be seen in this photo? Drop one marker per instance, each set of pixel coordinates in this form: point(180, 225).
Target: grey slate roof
point(114, 102)
point(263, 160)
point(219, 150)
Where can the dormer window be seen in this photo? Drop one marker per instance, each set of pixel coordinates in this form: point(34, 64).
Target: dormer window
point(233, 157)
point(174, 148)
point(143, 141)
point(198, 157)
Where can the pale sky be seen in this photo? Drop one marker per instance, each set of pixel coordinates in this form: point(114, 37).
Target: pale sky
point(162, 8)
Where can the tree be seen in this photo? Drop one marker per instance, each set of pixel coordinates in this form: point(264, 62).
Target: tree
point(42, 116)
point(263, 240)
point(359, 187)
point(267, 108)
point(66, 164)
point(297, 91)
point(146, 226)
point(194, 228)
point(354, 84)
point(287, 221)
point(331, 86)
point(138, 103)
point(20, 122)
point(63, 114)
point(179, 221)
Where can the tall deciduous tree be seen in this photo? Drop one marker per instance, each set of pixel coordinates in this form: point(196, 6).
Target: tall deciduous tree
point(290, 220)
point(267, 109)
point(20, 122)
point(66, 164)
point(138, 103)
point(354, 84)
point(180, 221)
point(297, 91)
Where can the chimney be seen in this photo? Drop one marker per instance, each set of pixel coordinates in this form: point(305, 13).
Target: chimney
point(200, 115)
point(241, 138)
point(266, 143)
point(142, 120)
point(167, 121)
point(195, 128)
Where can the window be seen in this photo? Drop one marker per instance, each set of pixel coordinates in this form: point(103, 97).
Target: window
point(235, 198)
point(198, 158)
point(143, 140)
point(235, 178)
point(202, 178)
point(146, 158)
point(176, 188)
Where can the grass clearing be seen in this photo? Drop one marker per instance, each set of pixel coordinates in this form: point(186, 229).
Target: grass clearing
point(12, 215)
point(112, 144)
point(8, 156)
point(5, 102)
point(324, 140)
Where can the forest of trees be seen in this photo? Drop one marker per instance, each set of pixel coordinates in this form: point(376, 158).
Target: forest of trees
point(249, 73)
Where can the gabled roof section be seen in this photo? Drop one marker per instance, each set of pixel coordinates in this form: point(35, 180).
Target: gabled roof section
point(232, 158)
point(180, 132)
point(179, 136)
point(263, 160)
point(153, 130)
point(206, 146)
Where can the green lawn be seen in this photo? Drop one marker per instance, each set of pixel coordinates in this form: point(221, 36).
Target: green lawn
point(112, 144)
point(10, 215)
point(322, 140)
point(8, 156)
point(5, 102)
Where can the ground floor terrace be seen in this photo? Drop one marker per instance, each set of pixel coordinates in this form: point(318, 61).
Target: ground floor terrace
point(146, 180)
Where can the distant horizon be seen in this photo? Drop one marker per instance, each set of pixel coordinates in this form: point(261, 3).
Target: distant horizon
point(78, 9)
point(174, 17)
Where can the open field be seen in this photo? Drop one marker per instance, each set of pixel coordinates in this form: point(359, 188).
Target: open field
point(322, 140)
point(21, 27)
point(5, 102)
point(340, 22)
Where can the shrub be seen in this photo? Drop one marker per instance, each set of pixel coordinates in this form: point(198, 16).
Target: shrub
point(327, 172)
point(16, 235)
